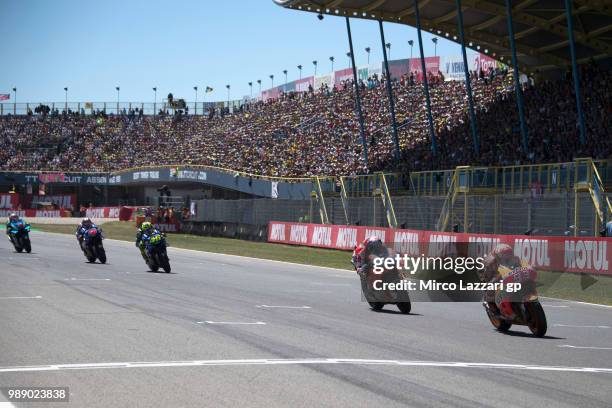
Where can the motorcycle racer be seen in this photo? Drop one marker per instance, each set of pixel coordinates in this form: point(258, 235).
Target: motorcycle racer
point(12, 219)
point(82, 229)
point(361, 254)
point(502, 257)
point(142, 237)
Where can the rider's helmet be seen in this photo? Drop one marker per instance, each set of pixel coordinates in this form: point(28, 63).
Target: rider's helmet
point(86, 223)
point(372, 242)
point(146, 226)
point(504, 255)
point(13, 217)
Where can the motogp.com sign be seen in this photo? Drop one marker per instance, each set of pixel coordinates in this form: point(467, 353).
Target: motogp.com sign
point(563, 254)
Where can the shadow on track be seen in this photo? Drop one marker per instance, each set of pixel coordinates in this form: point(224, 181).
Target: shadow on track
point(524, 334)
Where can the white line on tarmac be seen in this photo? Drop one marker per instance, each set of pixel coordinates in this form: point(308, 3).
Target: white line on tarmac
point(20, 297)
point(577, 326)
point(578, 302)
point(283, 307)
point(4, 404)
point(307, 361)
point(584, 347)
point(78, 279)
point(245, 323)
point(554, 306)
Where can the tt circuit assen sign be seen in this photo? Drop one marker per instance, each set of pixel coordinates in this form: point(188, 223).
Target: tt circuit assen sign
point(564, 254)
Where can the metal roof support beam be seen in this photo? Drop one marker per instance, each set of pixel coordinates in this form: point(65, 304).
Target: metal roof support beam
point(390, 94)
point(468, 83)
point(357, 97)
point(517, 84)
point(412, 9)
point(432, 132)
point(570, 32)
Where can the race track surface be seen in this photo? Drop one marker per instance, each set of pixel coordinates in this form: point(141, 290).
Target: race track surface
point(232, 331)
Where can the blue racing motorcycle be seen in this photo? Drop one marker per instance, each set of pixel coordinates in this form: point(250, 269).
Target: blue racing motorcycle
point(19, 235)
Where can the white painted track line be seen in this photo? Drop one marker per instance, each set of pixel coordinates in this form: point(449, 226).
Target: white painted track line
point(308, 361)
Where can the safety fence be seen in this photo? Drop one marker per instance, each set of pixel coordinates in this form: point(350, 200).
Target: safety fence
point(552, 214)
point(567, 254)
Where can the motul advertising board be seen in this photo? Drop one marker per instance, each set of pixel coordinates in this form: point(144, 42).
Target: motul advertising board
point(35, 213)
point(103, 212)
point(568, 254)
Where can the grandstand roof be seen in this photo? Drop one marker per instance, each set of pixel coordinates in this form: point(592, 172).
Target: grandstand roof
point(540, 26)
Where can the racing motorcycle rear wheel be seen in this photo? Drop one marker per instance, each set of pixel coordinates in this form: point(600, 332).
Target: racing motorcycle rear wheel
point(537, 318)
point(404, 307)
point(164, 262)
point(101, 254)
point(376, 306)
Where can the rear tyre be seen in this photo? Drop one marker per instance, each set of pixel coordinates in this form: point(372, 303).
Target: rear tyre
point(376, 306)
point(27, 245)
point(404, 307)
point(101, 253)
point(537, 319)
point(165, 262)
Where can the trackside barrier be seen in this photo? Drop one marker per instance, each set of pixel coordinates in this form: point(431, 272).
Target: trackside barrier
point(568, 254)
point(36, 213)
point(103, 212)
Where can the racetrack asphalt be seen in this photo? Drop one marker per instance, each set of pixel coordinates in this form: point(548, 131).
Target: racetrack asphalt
point(232, 331)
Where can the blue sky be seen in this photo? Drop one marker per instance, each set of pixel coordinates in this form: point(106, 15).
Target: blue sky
point(92, 47)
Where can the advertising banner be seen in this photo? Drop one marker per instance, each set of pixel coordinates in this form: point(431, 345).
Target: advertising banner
point(289, 87)
point(483, 62)
point(452, 68)
point(62, 201)
point(323, 80)
point(35, 213)
point(342, 75)
point(563, 254)
point(103, 212)
point(302, 85)
point(363, 73)
point(432, 65)
point(397, 68)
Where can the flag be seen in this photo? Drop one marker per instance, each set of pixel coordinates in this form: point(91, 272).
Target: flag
point(88, 105)
point(209, 89)
point(5, 97)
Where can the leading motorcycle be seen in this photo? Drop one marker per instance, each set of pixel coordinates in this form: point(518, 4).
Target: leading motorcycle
point(19, 234)
point(522, 307)
point(92, 245)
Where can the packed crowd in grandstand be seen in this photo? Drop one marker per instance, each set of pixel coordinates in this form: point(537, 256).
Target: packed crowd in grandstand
point(317, 132)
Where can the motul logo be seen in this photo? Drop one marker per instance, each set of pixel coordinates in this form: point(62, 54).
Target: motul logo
point(321, 236)
point(442, 245)
point(482, 246)
point(347, 238)
point(534, 251)
point(407, 243)
point(95, 213)
point(586, 255)
point(376, 233)
point(299, 234)
point(278, 232)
